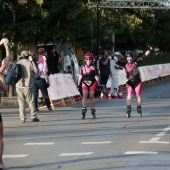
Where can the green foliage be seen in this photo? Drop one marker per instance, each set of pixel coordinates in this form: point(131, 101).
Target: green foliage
point(39, 2)
point(75, 21)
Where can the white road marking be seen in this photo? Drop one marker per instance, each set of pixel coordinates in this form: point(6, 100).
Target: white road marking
point(161, 134)
point(76, 154)
point(167, 128)
point(158, 137)
point(40, 143)
point(15, 156)
point(89, 143)
point(155, 139)
point(156, 142)
point(140, 153)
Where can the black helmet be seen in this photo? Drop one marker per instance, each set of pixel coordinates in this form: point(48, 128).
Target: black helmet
point(129, 54)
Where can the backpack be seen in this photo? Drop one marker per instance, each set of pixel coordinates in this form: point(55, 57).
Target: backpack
point(13, 73)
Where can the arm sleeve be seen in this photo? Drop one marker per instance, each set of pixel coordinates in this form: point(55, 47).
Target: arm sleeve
point(81, 70)
point(121, 63)
point(44, 58)
point(42, 67)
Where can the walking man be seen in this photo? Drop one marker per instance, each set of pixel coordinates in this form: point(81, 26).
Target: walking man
point(24, 87)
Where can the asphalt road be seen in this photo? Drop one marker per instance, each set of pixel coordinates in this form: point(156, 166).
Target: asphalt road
point(62, 140)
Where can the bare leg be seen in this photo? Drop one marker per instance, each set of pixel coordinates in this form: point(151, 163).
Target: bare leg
point(84, 100)
point(92, 98)
point(128, 99)
point(138, 98)
point(93, 110)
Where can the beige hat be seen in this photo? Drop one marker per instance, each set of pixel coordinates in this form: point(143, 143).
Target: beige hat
point(25, 54)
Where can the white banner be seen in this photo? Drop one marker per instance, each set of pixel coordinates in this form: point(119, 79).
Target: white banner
point(147, 73)
point(62, 86)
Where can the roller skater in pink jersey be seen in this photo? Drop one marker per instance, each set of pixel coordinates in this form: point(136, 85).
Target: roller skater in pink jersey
point(89, 81)
point(134, 83)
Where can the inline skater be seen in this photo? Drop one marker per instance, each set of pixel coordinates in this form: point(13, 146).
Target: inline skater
point(89, 81)
point(134, 83)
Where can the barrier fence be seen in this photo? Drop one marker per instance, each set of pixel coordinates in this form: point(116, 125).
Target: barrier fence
point(149, 74)
point(63, 88)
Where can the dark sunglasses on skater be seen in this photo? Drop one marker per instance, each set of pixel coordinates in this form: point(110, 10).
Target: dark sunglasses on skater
point(88, 59)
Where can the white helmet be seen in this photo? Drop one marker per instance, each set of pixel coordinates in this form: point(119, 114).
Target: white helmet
point(116, 53)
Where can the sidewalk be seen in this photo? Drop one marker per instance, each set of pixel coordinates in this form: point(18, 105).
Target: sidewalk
point(9, 101)
point(13, 102)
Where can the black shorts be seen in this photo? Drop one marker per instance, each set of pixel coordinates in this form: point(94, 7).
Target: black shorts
point(0, 118)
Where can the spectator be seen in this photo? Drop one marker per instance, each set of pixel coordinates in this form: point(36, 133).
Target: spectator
point(104, 66)
point(24, 87)
point(42, 58)
point(114, 78)
point(90, 81)
point(5, 42)
point(134, 83)
point(52, 61)
point(41, 82)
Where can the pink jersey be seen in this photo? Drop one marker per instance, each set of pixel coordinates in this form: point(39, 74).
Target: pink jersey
point(86, 69)
point(129, 68)
point(88, 73)
point(41, 59)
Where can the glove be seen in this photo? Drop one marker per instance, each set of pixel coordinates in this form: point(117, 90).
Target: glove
point(78, 86)
point(120, 67)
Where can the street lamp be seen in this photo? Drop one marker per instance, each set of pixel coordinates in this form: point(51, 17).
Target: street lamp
point(98, 18)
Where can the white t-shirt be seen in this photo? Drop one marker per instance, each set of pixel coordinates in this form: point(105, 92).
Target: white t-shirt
point(42, 70)
point(112, 65)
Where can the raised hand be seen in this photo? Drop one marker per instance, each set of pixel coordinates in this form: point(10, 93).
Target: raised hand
point(4, 41)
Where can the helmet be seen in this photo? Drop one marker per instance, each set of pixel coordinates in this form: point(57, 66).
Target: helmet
point(116, 53)
point(129, 54)
point(89, 55)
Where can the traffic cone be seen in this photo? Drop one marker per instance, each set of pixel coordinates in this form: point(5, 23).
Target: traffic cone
point(115, 95)
point(101, 96)
point(120, 94)
point(109, 96)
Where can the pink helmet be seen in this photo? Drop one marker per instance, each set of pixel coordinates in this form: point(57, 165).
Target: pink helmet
point(89, 55)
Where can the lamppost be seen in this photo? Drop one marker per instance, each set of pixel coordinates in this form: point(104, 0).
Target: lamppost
point(97, 37)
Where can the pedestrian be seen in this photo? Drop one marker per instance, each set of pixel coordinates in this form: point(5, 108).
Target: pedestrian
point(42, 58)
point(89, 80)
point(114, 70)
point(52, 61)
point(104, 66)
point(41, 83)
point(24, 87)
point(4, 42)
point(134, 83)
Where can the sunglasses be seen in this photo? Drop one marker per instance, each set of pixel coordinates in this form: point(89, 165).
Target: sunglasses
point(88, 59)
